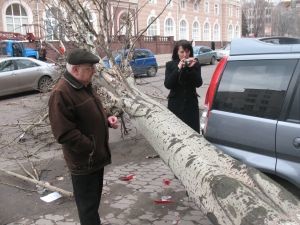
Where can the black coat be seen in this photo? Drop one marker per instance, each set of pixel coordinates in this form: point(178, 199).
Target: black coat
point(182, 99)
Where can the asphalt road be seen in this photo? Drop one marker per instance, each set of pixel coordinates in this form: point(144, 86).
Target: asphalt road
point(154, 86)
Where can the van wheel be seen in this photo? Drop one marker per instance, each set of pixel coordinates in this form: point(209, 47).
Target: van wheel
point(45, 83)
point(151, 72)
point(213, 61)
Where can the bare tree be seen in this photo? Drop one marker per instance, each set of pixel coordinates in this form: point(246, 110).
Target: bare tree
point(255, 11)
point(285, 21)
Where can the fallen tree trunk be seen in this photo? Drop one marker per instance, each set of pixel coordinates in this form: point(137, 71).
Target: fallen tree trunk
point(229, 192)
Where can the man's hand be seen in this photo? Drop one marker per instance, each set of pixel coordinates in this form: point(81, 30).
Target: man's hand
point(113, 121)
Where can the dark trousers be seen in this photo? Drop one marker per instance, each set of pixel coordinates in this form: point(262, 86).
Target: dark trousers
point(87, 193)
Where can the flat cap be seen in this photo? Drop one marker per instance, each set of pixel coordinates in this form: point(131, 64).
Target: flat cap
point(81, 56)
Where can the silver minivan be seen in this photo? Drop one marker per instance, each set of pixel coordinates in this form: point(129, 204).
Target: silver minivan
point(252, 106)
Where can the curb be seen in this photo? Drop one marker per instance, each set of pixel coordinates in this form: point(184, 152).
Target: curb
point(161, 66)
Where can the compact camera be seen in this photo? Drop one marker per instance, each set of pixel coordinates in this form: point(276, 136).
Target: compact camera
point(187, 62)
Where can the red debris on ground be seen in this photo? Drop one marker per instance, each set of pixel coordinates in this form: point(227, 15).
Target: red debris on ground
point(127, 178)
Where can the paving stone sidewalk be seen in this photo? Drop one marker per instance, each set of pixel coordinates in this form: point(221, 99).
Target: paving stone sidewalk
point(132, 202)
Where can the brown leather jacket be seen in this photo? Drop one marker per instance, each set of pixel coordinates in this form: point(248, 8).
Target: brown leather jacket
point(79, 123)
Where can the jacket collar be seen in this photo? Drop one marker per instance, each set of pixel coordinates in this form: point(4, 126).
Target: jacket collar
point(74, 82)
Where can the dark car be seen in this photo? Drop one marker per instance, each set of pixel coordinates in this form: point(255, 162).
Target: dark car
point(205, 55)
point(143, 61)
point(252, 106)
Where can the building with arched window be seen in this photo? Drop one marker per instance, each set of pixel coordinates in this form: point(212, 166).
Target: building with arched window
point(205, 20)
point(213, 20)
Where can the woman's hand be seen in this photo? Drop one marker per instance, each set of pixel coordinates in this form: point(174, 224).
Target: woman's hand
point(193, 61)
point(181, 64)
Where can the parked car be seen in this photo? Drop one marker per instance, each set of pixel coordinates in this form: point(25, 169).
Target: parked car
point(19, 74)
point(143, 61)
point(205, 55)
point(252, 106)
point(222, 52)
point(16, 49)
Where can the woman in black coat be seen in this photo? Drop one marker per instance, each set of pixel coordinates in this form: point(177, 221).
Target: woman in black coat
point(182, 77)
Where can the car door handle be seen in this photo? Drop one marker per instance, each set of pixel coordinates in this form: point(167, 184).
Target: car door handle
point(296, 142)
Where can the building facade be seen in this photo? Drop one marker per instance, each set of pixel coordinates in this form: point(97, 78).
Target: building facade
point(205, 20)
point(198, 20)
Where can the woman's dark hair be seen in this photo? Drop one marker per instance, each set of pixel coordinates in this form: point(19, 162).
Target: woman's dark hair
point(186, 45)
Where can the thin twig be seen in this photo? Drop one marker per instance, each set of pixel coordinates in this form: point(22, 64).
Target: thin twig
point(25, 170)
point(40, 183)
point(16, 186)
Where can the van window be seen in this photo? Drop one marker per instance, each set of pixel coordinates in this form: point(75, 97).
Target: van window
point(255, 88)
point(3, 48)
point(294, 112)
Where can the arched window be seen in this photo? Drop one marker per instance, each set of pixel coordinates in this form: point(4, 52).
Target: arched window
point(230, 32)
point(16, 18)
point(196, 31)
point(183, 34)
point(53, 30)
point(206, 32)
point(152, 30)
point(216, 32)
point(237, 31)
point(123, 24)
point(169, 27)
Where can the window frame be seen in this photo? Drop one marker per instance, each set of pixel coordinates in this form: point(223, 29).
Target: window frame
point(198, 36)
point(204, 33)
point(14, 17)
point(216, 37)
point(152, 25)
point(17, 61)
point(12, 64)
point(51, 22)
point(290, 95)
point(166, 31)
point(185, 4)
point(185, 36)
point(294, 77)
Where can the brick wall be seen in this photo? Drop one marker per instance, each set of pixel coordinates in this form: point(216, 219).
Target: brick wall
point(157, 44)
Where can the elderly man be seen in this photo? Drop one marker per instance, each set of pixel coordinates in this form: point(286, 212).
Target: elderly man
point(80, 124)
